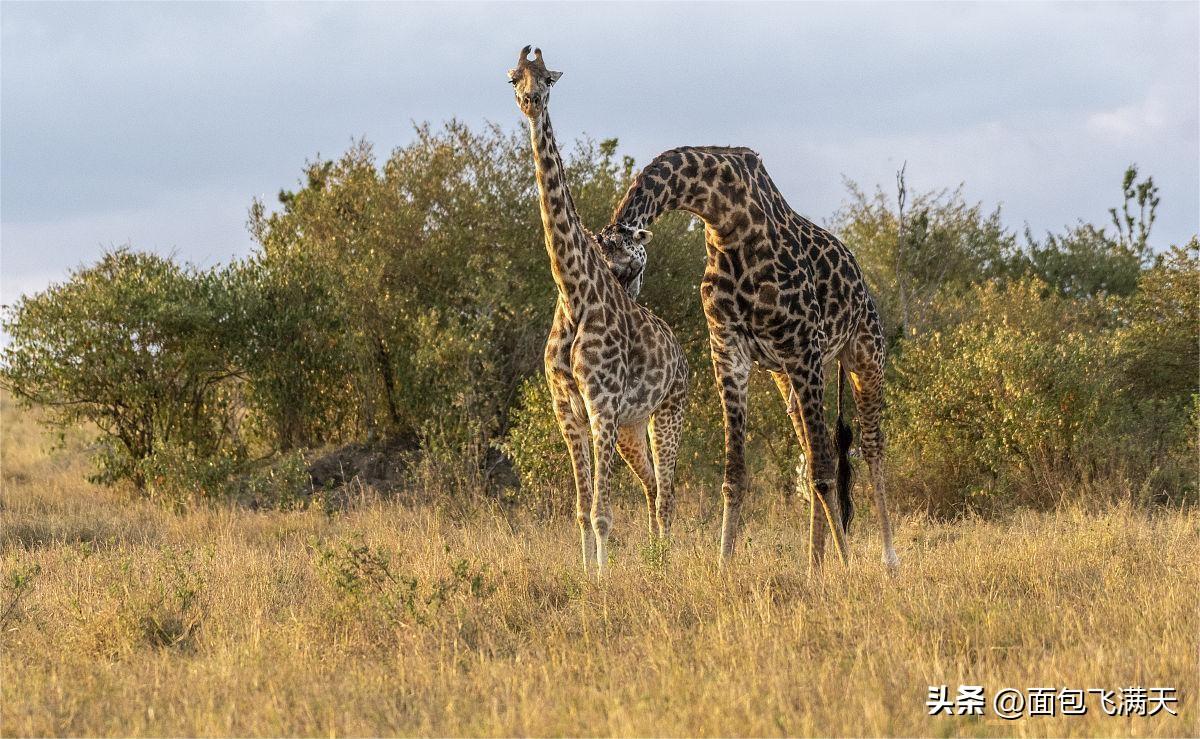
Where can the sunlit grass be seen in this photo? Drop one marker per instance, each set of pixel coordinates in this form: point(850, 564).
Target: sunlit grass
point(386, 619)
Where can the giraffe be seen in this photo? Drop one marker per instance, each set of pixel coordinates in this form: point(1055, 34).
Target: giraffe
point(784, 294)
point(615, 370)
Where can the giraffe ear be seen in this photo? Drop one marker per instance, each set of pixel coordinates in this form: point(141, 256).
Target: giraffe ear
point(642, 236)
point(552, 77)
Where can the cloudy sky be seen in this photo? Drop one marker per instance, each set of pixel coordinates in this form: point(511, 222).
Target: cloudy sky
point(156, 124)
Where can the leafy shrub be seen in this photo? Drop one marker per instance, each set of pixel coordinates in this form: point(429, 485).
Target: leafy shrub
point(1082, 261)
point(1157, 348)
point(178, 475)
point(287, 338)
point(932, 245)
point(134, 345)
point(1087, 260)
point(982, 412)
point(284, 485)
point(1157, 391)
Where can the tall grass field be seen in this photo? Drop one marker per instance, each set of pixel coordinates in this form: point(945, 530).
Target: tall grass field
point(123, 618)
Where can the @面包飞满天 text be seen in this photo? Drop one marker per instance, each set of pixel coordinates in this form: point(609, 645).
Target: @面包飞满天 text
point(1014, 703)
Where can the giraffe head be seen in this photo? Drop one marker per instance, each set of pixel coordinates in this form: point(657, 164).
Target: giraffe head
point(531, 82)
point(624, 249)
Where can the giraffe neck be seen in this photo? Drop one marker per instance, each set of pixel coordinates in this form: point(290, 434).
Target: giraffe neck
point(573, 262)
point(708, 183)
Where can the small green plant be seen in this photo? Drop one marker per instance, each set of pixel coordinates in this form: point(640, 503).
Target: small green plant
point(655, 552)
point(465, 578)
point(367, 577)
point(175, 614)
point(572, 585)
point(17, 585)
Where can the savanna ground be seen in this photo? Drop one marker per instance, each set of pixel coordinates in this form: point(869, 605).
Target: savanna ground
point(123, 618)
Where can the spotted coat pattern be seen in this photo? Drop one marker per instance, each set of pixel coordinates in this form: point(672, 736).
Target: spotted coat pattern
point(615, 370)
point(781, 293)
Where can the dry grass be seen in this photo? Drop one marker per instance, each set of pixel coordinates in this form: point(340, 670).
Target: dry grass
point(224, 621)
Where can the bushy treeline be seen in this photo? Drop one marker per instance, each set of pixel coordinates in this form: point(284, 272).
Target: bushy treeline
point(404, 305)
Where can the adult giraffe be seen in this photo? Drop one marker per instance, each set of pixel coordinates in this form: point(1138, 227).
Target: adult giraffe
point(782, 293)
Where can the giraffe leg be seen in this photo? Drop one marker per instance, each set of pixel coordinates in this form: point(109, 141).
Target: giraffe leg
point(866, 380)
point(732, 369)
point(575, 433)
point(665, 429)
point(631, 443)
point(604, 447)
point(808, 382)
point(792, 402)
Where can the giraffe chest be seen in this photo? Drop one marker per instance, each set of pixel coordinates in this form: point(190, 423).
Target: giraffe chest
point(612, 366)
point(611, 370)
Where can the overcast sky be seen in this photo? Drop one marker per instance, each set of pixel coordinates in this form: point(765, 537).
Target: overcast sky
point(156, 124)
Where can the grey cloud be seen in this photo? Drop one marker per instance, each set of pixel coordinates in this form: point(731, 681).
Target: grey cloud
point(158, 123)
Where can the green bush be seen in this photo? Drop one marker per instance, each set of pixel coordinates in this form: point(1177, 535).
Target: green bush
point(984, 413)
point(178, 475)
point(288, 340)
point(1157, 391)
point(539, 453)
point(1082, 261)
point(931, 246)
point(1032, 392)
point(135, 345)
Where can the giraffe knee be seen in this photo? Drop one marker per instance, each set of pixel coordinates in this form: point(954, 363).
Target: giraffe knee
point(601, 525)
point(802, 477)
point(871, 444)
point(665, 504)
point(732, 495)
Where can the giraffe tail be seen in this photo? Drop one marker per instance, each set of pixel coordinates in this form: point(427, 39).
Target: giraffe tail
point(845, 437)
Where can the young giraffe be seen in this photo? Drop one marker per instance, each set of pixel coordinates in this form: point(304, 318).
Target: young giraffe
point(613, 367)
point(783, 293)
